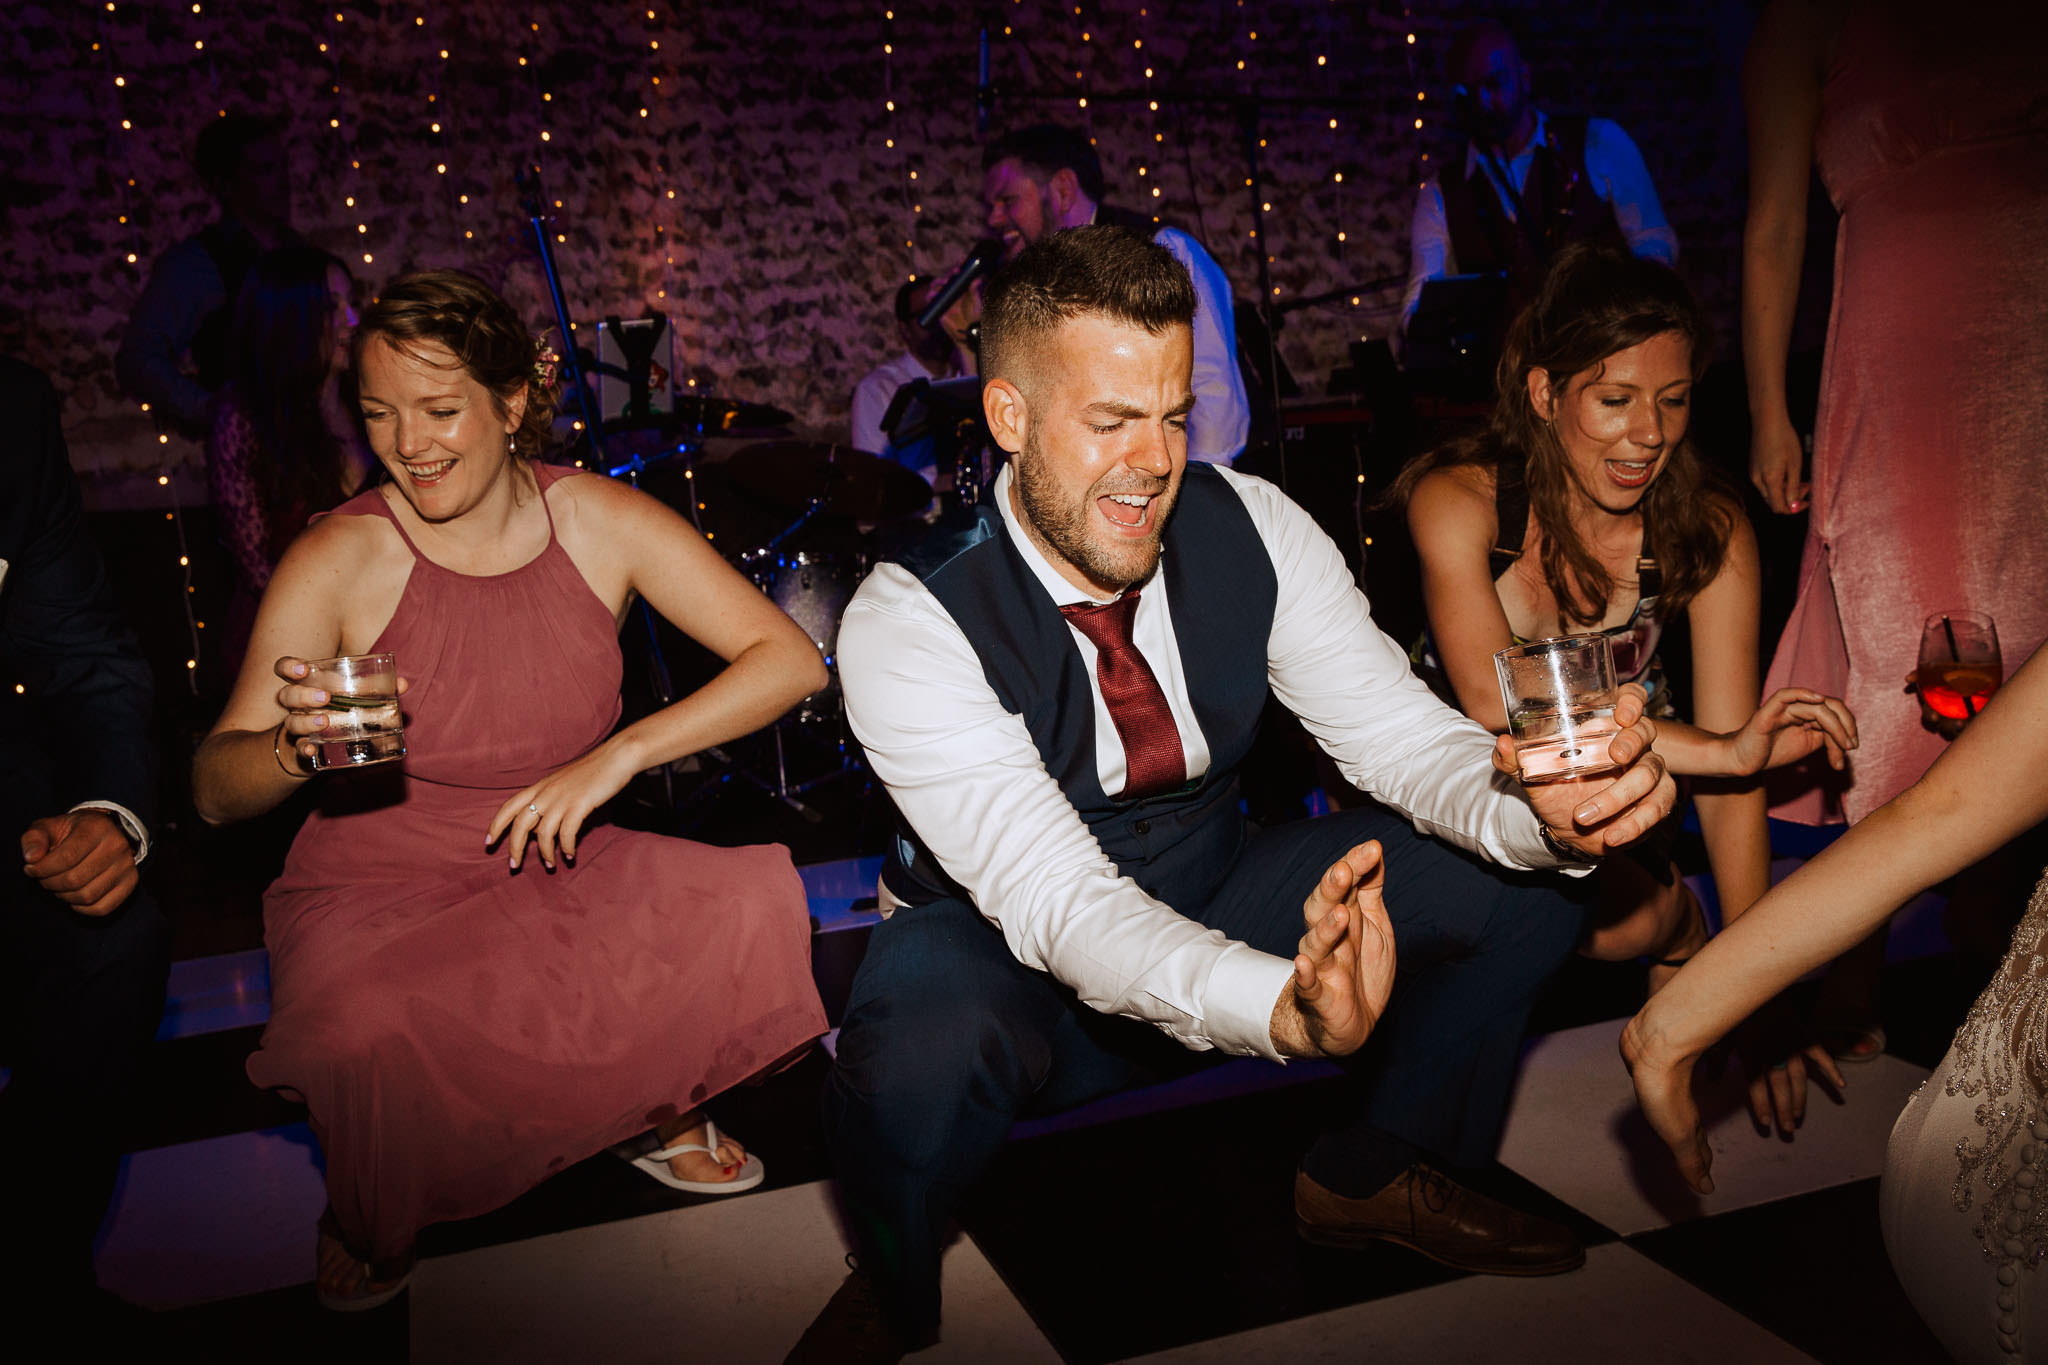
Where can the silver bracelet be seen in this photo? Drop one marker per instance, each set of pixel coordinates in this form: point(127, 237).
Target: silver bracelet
point(277, 748)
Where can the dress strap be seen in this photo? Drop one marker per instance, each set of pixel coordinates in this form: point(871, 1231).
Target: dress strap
point(371, 502)
point(544, 478)
point(1511, 517)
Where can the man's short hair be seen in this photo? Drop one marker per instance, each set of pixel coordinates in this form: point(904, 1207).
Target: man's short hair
point(1046, 149)
point(1471, 36)
point(217, 154)
point(904, 293)
point(1109, 271)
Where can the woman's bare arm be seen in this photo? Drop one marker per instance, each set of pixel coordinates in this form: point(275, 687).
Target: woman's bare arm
point(1781, 82)
point(1989, 786)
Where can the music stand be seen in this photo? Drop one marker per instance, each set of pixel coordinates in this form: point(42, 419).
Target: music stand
point(947, 412)
point(1454, 337)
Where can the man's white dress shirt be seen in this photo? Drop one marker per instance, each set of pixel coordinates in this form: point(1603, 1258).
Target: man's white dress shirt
point(871, 399)
point(1222, 419)
point(1619, 177)
point(966, 775)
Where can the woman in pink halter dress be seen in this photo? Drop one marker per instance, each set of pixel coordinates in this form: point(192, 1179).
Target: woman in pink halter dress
point(461, 1020)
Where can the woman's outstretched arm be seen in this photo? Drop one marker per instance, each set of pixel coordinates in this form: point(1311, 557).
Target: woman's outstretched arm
point(1990, 785)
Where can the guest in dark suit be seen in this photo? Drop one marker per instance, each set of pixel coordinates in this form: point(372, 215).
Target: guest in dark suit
point(1059, 711)
point(83, 948)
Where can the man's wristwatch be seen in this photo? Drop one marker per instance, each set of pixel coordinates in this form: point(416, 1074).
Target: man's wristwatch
point(1564, 850)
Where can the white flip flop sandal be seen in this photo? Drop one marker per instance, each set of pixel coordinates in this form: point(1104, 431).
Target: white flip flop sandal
point(362, 1299)
point(656, 1164)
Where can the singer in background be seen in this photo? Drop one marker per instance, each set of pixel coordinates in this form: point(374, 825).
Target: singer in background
point(938, 352)
point(1531, 183)
point(1044, 178)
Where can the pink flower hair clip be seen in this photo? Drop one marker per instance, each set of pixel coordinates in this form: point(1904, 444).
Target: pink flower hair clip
point(544, 362)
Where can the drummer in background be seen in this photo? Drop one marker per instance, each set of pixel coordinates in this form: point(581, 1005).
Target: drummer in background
point(932, 353)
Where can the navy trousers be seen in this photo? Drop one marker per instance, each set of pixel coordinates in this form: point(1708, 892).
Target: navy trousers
point(947, 1038)
point(82, 997)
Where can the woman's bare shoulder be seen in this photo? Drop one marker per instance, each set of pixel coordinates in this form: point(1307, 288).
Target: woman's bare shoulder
point(586, 503)
point(345, 542)
point(1458, 484)
point(1453, 502)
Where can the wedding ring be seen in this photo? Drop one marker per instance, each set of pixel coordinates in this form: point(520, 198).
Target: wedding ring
point(533, 808)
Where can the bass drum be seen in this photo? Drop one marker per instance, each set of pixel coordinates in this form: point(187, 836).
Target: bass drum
point(814, 588)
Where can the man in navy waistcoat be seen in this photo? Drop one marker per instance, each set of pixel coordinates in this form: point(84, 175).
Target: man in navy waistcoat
point(84, 950)
point(1059, 710)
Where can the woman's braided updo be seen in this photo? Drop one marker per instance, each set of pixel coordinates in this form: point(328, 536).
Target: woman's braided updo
point(462, 314)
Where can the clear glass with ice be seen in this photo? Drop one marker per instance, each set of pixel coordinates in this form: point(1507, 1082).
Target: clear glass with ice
point(364, 724)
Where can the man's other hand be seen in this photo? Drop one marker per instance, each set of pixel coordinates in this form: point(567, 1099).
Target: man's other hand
point(1344, 970)
point(83, 859)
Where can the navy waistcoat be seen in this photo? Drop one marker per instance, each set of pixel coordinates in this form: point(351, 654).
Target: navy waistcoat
point(1221, 590)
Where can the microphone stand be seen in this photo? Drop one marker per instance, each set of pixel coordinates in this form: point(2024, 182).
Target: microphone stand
point(534, 205)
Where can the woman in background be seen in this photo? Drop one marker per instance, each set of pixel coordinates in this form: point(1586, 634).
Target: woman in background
point(1582, 507)
point(285, 441)
point(1929, 489)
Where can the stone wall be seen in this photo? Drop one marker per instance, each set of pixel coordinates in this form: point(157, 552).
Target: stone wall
point(730, 164)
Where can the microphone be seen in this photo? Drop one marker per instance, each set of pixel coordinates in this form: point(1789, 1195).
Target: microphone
point(983, 260)
point(982, 90)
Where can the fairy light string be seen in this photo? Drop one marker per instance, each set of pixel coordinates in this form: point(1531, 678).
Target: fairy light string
point(124, 89)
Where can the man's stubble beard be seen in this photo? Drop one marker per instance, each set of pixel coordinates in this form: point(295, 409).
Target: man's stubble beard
point(1064, 525)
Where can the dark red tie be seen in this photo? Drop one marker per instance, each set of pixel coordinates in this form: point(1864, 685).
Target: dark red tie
point(1153, 760)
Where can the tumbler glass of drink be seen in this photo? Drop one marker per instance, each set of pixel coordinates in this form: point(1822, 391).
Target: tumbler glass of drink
point(1560, 696)
point(1960, 666)
point(364, 725)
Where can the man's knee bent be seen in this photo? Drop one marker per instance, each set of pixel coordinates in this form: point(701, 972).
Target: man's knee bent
point(911, 1072)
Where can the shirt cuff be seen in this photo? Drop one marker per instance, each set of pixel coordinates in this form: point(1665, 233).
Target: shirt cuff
point(137, 834)
point(1243, 988)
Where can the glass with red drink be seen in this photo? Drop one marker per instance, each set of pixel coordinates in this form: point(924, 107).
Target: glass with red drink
point(1960, 666)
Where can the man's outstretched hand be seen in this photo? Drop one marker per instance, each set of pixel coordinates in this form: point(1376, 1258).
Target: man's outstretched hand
point(1609, 809)
point(1344, 970)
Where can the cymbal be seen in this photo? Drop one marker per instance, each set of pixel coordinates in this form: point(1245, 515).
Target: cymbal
point(849, 483)
point(723, 415)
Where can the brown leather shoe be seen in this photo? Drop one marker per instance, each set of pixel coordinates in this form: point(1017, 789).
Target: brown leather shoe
point(1426, 1211)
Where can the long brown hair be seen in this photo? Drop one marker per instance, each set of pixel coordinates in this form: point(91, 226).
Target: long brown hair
point(1595, 301)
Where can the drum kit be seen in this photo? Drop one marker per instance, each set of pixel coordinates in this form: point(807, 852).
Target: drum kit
point(804, 521)
point(812, 518)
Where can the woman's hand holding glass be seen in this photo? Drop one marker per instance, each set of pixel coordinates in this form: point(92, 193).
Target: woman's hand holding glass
point(1793, 723)
point(551, 812)
point(308, 711)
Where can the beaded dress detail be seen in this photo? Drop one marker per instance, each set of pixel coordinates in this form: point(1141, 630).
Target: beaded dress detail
point(1964, 1204)
point(2000, 1060)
